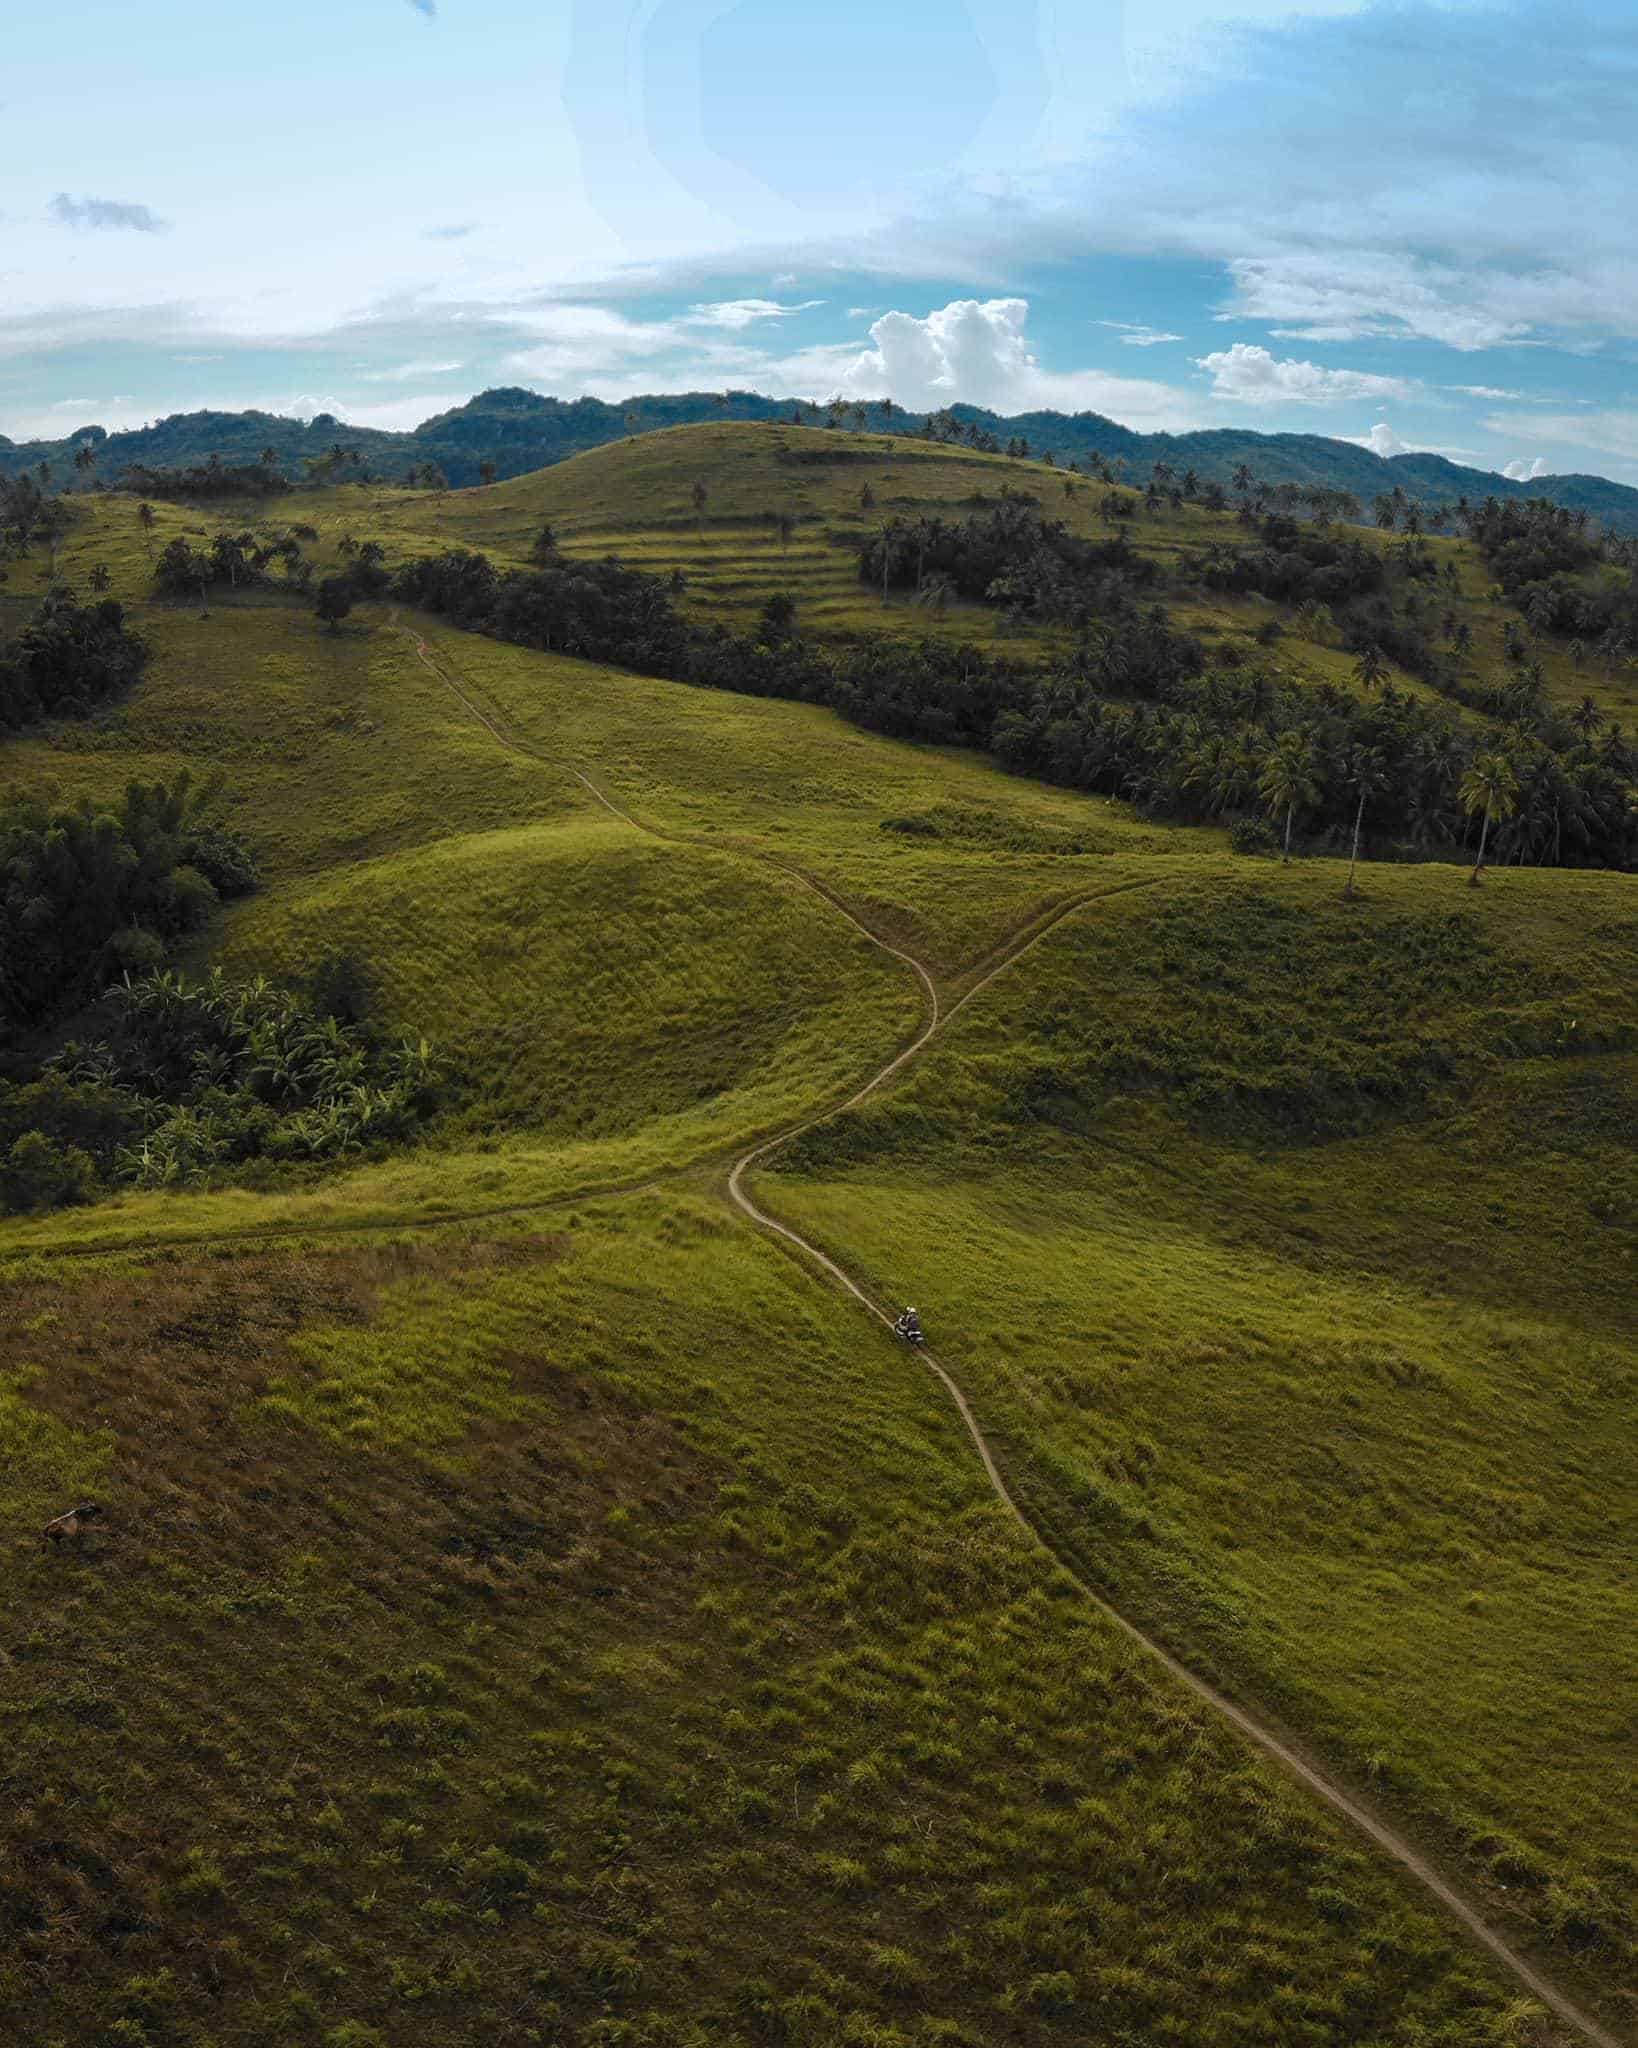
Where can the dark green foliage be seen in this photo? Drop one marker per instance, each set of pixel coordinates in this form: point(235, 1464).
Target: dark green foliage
point(333, 601)
point(208, 479)
point(85, 894)
point(1294, 565)
point(39, 1173)
point(1539, 553)
point(188, 1079)
point(1012, 556)
point(222, 858)
point(69, 658)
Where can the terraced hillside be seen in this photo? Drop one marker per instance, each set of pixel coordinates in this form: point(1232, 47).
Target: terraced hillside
point(637, 499)
point(534, 1604)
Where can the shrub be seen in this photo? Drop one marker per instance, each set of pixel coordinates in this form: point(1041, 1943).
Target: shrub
point(222, 858)
point(40, 1174)
point(1254, 836)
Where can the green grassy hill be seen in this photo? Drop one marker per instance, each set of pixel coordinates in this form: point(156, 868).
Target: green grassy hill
point(532, 1605)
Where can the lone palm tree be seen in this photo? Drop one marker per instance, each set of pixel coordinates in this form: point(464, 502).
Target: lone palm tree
point(700, 495)
point(1289, 778)
point(1367, 777)
point(1490, 786)
point(1371, 669)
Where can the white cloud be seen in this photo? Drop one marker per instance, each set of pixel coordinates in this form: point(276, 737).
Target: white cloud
point(1487, 391)
point(1527, 472)
point(410, 373)
point(1386, 441)
point(1135, 336)
point(395, 414)
point(976, 351)
point(1255, 376)
point(737, 314)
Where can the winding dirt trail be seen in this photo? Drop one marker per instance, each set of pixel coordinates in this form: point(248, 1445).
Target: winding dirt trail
point(1347, 1804)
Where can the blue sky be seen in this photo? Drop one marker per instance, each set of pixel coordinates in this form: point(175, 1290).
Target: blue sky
point(1406, 224)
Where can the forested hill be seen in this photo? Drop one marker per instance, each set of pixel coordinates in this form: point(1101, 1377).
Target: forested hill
point(518, 430)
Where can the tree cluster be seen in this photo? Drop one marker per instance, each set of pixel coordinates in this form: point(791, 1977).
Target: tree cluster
point(88, 893)
point(67, 659)
point(187, 1079)
point(1012, 556)
point(1292, 566)
point(212, 479)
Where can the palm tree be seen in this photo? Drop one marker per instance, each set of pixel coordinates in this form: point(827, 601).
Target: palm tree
point(1586, 718)
point(1371, 669)
point(1289, 778)
point(1490, 786)
point(85, 460)
point(486, 473)
point(700, 495)
point(1368, 776)
point(1315, 620)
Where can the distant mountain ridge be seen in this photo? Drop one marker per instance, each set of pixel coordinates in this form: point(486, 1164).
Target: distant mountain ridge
point(520, 430)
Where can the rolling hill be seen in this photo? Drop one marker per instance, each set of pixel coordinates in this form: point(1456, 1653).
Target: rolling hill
point(519, 430)
point(535, 1603)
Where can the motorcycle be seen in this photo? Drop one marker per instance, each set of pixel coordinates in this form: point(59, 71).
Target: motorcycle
point(909, 1328)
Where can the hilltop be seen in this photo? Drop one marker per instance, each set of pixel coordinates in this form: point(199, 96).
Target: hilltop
point(534, 1600)
point(518, 430)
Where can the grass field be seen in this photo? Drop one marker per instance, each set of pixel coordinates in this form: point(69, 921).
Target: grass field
point(1324, 1361)
point(603, 1637)
point(576, 1625)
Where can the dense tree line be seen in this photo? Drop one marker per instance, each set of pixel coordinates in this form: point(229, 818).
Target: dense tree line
point(1011, 555)
point(88, 893)
point(1541, 555)
point(186, 1079)
point(211, 479)
point(1135, 712)
point(1292, 565)
point(67, 659)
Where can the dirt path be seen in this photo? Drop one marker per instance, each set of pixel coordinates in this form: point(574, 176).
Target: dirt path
point(1260, 1734)
point(1347, 1804)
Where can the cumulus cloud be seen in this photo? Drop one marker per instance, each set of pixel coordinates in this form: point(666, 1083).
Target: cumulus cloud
point(1527, 472)
point(106, 213)
point(1387, 441)
point(1248, 375)
point(976, 351)
point(736, 314)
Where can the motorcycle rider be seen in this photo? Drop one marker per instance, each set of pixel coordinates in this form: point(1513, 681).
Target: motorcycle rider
point(908, 1327)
